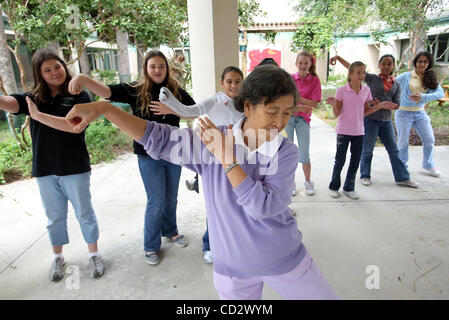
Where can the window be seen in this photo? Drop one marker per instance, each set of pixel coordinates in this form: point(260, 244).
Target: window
point(101, 59)
point(439, 47)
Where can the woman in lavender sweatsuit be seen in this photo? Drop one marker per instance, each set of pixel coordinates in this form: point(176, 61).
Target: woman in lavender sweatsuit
point(248, 174)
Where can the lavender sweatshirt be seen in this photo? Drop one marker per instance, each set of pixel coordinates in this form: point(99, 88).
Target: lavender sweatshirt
point(251, 230)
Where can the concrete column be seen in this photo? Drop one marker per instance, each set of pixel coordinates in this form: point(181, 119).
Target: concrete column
point(214, 45)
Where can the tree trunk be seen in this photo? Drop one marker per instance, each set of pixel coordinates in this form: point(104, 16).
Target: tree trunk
point(84, 63)
point(123, 56)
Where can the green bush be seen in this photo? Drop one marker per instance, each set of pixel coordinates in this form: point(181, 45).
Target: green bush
point(104, 142)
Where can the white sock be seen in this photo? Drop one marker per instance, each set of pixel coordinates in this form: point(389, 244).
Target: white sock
point(58, 255)
point(96, 253)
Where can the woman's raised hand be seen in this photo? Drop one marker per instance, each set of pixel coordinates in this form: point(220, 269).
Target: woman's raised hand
point(76, 85)
point(219, 144)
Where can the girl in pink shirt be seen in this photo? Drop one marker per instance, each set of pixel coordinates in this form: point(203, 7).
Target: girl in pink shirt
point(309, 88)
point(351, 103)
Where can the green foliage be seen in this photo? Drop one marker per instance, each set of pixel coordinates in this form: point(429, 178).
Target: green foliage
point(312, 36)
point(106, 76)
point(248, 9)
point(270, 37)
point(103, 140)
point(13, 159)
point(324, 20)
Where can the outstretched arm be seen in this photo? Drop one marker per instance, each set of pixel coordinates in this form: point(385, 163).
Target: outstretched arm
point(58, 123)
point(80, 81)
point(83, 114)
point(196, 110)
point(334, 59)
point(9, 104)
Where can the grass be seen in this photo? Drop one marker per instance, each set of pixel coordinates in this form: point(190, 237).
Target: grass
point(104, 143)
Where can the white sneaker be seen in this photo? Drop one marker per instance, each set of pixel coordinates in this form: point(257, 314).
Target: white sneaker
point(351, 194)
point(365, 181)
point(207, 256)
point(408, 183)
point(334, 194)
point(293, 212)
point(433, 172)
point(294, 190)
point(309, 188)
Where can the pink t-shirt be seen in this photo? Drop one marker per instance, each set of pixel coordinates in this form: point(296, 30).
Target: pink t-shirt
point(350, 120)
point(309, 88)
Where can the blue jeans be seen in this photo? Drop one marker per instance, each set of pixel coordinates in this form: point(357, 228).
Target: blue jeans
point(384, 130)
point(206, 246)
point(419, 120)
point(302, 129)
point(161, 181)
point(55, 193)
point(340, 159)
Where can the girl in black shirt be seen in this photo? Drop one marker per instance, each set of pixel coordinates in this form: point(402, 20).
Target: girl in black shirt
point(160, 178)
point(61, 162)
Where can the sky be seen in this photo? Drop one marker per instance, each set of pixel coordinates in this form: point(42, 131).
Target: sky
point(277, 11)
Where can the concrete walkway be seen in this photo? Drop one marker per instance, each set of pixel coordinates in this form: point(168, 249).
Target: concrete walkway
point(397, 233)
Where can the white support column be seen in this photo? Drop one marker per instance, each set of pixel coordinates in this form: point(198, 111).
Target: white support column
point(213, 28)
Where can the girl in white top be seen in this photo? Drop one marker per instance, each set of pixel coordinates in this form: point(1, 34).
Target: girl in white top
point(219, 108)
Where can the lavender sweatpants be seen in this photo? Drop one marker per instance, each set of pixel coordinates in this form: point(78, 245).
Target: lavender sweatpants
point(304, 282)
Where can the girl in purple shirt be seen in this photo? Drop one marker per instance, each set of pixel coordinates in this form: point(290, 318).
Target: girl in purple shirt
point(248, 175)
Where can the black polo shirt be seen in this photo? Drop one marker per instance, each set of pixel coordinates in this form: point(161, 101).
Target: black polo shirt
point(56, 152)
point(127, 93)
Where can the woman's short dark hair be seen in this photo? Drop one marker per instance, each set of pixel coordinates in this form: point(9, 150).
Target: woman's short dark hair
point(266, 84)
point(231, 69)
point(429, 79)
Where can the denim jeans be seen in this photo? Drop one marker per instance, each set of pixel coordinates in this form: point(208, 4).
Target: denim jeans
point(302, 129)
point(55, 193)
point(419, 120)
point(384, 130)
point(206, 246)
point(340, 158)
point(161, 181)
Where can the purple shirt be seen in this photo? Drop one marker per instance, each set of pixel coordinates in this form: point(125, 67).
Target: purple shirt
point(350, 120)
point(308, 88)
point(251, 230)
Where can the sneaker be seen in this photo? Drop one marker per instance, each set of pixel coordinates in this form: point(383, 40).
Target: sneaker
point(433, 172)
point(351, 194)
point(293, 212)
point(57, 269)
point(408, 183)
point(294, 190)
point(180, 241)
point(309, 188)
point(365, 181)
point(207, 256)
point(190, 184)
point(96, 266)
point(334, 193)
point(152, 258)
